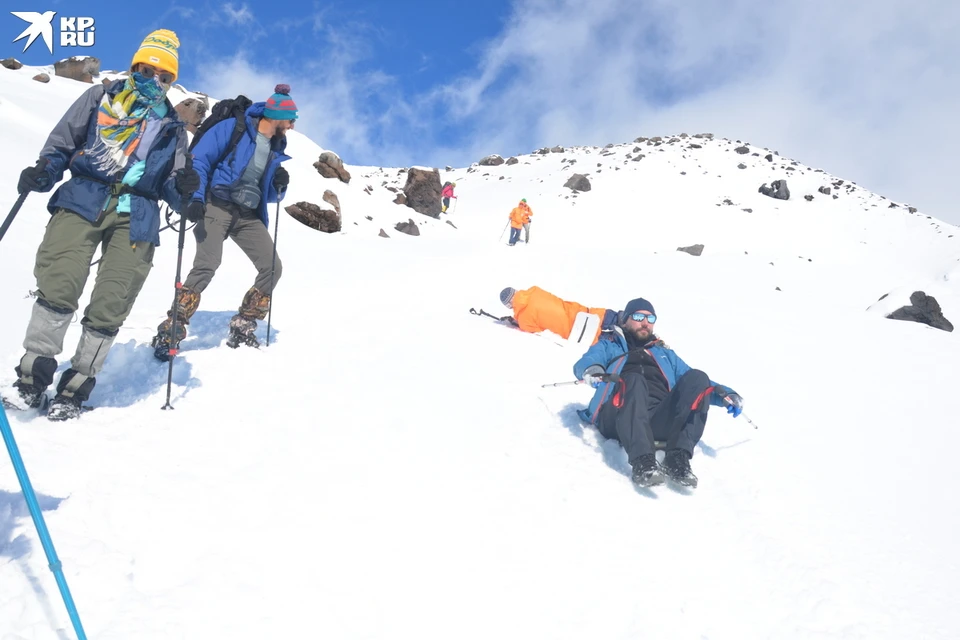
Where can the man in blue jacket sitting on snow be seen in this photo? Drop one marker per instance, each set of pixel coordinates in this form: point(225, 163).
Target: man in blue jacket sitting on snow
point(235, 186)
point(657, 397)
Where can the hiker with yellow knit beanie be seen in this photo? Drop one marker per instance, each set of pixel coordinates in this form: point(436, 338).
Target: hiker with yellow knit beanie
point(126, 150)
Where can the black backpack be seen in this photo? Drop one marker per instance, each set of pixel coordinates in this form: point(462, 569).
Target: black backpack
point(230, 108)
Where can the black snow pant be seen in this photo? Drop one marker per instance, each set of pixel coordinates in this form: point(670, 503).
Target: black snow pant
point(679, 419)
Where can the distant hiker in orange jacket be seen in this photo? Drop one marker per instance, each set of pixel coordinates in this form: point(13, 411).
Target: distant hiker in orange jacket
point(536, 310)
point(446, 194)
point(520, 215)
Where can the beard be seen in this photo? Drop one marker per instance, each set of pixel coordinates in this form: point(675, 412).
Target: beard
point(640, 335)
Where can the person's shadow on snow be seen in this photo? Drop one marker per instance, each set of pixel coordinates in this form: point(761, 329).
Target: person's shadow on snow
point(13, 511)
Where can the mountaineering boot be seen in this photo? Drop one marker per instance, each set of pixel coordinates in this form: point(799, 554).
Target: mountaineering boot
point(242, 325)
point(35, 373)
point(676, 464)
point(241, 332)
point(187, 302)
point(73, 389)
point(646, 471)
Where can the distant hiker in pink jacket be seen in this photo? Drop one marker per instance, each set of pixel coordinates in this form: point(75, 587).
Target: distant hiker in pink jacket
point(446, 194)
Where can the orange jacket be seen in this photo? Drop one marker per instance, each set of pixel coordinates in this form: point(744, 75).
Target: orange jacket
point(535, 310)
point(516, 218)
point(527, 213)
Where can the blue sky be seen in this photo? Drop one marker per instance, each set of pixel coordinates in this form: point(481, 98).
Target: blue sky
point(867, 90)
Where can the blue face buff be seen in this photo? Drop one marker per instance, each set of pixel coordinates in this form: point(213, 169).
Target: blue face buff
point(639, 317)
point(149, 89)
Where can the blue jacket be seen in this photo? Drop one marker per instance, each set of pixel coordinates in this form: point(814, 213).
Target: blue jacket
point(220, 179)
point(87, 192)
point(610, 353)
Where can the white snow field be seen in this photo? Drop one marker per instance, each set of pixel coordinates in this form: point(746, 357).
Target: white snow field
point(390, 467)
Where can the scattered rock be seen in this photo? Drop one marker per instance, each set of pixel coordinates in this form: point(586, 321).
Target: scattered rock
point(683, 173)
point(683, 135)
point(331, 198)
point(656, 139)
point(742, 150)
point(542, 151)
point(409, 227)
point(912, 209)
point(329, 165)
point(728, 202)
point(80, 69)
point(451, 224)
point(11, 63)
point(512, 160)
point(638, 140)
point(578, 182)
point(392, 189)
point(192, 111)
point(741, 166)
point(314, 217)
point(768, 157)
point(778, 288)
point(824, 190)
point(694, 145)
point(42, 77)
point(491, 161)
point(422, 191)
point(448, 168)
point(557, 149)
point(370, 218)
point(924, 309)
point(694, 249)
point(383, 234)
point(747, 210)
point(893, 205)
point(638, 158)
point(808, 198)
point(368, 189)
point(608, 145)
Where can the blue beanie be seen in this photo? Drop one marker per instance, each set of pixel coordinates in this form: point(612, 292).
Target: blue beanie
point(280, 106)
point(507, 295)
point(637, 304)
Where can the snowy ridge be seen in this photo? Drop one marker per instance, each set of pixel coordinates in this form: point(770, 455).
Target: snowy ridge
point(392, 468)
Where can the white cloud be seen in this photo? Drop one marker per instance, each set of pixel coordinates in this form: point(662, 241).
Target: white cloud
point(243, 15)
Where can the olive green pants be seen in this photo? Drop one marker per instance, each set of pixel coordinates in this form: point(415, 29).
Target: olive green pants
point(62, 266)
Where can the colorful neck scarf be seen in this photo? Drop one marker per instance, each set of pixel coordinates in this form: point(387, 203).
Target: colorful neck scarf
point(122, 120)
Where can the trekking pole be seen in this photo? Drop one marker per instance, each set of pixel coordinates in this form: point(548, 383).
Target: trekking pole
point(742, 414)
point(13, 213)
point(276, 229)
point(504, 231)
point(31, 499)
point(176, 298)
point(603, 377)
point(483, 313)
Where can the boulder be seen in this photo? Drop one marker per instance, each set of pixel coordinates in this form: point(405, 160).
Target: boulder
point(741, 166)
point(409, 227)
point(42, 77)
point(512, 160)
point(400, 199)
point(383, 234)
point(808, 198)
point(331, 198)
point(329, 165)
point(423, 191)
point(694, 249)
point(777, 189)
point(924, 309)
point(192, 111)
point(824, 190)
point(578, 182)
point(556, 149)
point(314, 217)
point(742, 150)
point(491, 161)
point(81, 69)
point(11, 63)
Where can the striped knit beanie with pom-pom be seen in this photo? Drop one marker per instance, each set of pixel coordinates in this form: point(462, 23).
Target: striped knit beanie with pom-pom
point(280, 106)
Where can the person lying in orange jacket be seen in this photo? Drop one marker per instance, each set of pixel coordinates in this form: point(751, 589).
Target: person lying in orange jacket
point(536, 310)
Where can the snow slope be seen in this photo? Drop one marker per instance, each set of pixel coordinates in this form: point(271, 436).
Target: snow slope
point(391, 467)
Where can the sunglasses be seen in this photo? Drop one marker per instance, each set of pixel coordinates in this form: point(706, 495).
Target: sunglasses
point(148, 72)
point(640, 317)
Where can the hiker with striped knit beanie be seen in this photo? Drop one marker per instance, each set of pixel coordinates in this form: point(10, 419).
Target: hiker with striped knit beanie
point(239, 176)
point(107, 139)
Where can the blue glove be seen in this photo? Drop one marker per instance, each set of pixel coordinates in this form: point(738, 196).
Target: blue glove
point(592, 375)
point(734, 404)
point(131, 178)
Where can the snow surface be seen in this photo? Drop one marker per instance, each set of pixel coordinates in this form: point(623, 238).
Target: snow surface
point(391, 467)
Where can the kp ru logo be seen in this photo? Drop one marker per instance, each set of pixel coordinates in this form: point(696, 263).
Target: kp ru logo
point(74, 32)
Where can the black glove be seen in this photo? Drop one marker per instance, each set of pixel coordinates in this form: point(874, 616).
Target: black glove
point(195, 211)
point(34, 178)
point(200, 231)
point(281, 179)
point(187, 180)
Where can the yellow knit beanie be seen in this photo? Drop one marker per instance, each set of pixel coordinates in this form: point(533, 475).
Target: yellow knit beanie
point(159, 49)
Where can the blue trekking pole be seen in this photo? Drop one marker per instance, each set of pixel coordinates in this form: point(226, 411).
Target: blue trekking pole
point(38, 522)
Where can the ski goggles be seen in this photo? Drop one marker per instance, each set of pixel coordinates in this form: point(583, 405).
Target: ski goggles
point(148, 72)
point(640, 317)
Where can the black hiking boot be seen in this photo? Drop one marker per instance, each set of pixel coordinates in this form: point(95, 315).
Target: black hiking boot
point(676, 464)
point(162, 349)
point(241, 332)
point(646, 471)
point(28, 396)
point(63, 408)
